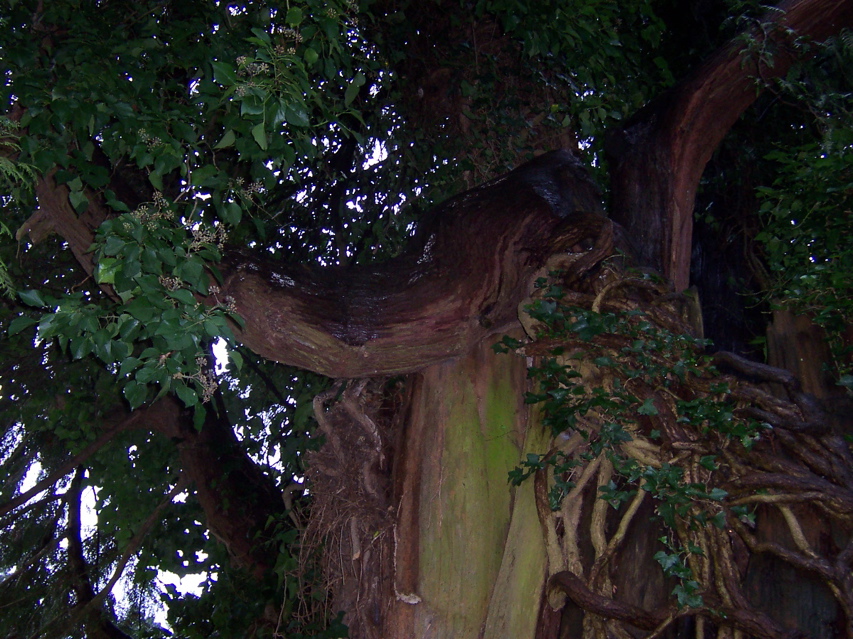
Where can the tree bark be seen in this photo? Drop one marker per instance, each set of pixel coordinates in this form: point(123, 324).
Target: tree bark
point(463, 280)
point(658, 156)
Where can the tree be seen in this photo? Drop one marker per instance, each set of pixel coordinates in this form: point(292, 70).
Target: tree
point(253, 176)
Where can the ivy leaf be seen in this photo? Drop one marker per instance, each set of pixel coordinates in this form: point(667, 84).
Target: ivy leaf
point(79, 201)
point(648, 407)
point(709, 462)
point(718, 494)
point(106, 270)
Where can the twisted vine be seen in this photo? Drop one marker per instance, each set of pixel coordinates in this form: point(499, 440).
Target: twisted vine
point(648, 423)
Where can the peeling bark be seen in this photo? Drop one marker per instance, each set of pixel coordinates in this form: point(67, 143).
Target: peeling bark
point(470, 268)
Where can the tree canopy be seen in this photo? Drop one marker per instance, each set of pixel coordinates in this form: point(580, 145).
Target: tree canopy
point(213, 210)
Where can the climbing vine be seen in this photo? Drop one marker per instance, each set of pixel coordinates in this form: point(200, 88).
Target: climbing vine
point(646, 418)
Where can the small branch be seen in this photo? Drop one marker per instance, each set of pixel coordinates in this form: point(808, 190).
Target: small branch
point(797, 532)
point(804, 497)
point(578, 592)
point(620, 533)
point(599, 510)
point(817, 566)
point(71, 464)
point(571, 511)
point(132, 548)
point(757, 370)
point(838, 499)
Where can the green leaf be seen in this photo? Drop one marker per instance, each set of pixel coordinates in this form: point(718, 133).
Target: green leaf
point(202, 174)
point(80, 347)
point(187, 395)
point(227, 140)
point(251, 105)
point(352, 91)
point(79, 201)
point(709, 462)
point(135, 393)
point(296, 116)
point(294, 16)
point(224, 73)
point(260, 136)
point(648, 407)
point(156, 180)
point(106, 270)
point(129, 364)
point(32, 297)
point(718, 494)
point(184, 296)
point(236, 359)
point(20, 323)
point(232, 213)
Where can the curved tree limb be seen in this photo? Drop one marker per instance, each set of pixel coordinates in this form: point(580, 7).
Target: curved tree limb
point(578, 592)
point(658, 156)
point(462, 281)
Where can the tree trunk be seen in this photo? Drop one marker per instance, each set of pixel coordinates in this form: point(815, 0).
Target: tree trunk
point(470, 555)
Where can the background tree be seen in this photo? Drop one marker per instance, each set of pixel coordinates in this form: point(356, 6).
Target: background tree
point(256, 176)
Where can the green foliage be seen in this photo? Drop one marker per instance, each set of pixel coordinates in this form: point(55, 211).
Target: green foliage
point(808, 215)
point(612, 377)
point(687, 591)
point(14, 175)
point(156, 338)
point(607, 36)
point(182, 130)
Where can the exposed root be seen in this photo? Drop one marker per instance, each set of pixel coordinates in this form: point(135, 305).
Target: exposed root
point(352, 516)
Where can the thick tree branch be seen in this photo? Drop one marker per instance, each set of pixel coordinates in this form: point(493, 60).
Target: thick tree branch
point(658, 156)
point(462, 282)
point(577, 590)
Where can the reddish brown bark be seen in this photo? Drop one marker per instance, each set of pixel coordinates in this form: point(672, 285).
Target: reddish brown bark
point(470, 269)
point(658, 156)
